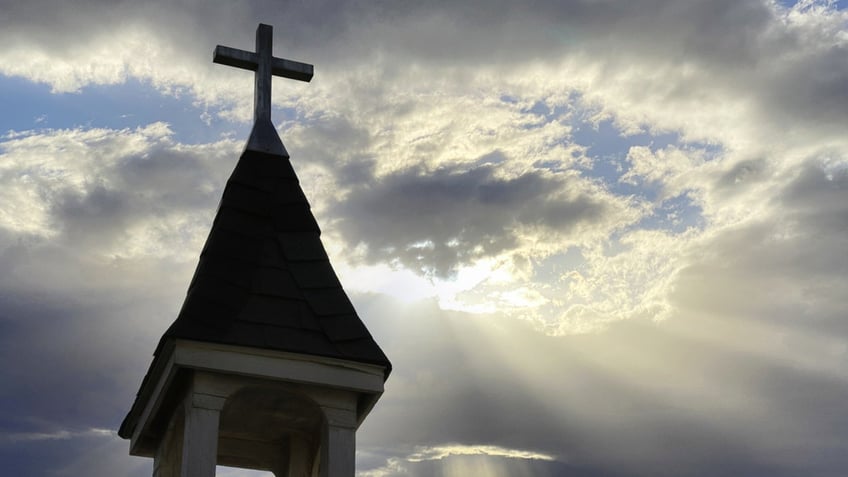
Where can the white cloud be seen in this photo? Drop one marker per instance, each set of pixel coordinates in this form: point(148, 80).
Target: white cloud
point(447, 450)
point(62, 434)
point(398, 466)
point(130, 192)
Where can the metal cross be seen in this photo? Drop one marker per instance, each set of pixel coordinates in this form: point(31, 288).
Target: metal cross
point(265, 65)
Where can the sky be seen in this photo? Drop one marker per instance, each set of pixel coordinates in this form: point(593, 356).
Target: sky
point(595, 238)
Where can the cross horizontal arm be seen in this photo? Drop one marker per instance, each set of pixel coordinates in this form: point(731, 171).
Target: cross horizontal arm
point(224, 55)
point(291, 69)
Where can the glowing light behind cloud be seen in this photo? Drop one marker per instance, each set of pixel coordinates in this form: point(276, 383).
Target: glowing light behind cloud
point(457, 460)
point(447, 450)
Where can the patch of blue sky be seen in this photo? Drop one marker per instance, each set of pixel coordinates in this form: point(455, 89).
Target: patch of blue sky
point(541, 108)
point(838, 4)
point(609, 147)
point(614, 246)
point(606, 148)
point(32, 106)
point(676, 215)
point(559, 265)
point(281, 115)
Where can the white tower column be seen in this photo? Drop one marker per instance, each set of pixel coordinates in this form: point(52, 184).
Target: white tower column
point(200, 435)
point(338, 443)
point(166, 460)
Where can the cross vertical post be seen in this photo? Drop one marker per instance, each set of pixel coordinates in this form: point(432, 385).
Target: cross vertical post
point(262, 90)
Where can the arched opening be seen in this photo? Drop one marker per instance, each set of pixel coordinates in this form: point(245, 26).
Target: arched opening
point(271, 429)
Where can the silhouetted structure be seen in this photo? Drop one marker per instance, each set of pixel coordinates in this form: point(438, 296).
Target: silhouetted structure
point(267, 366)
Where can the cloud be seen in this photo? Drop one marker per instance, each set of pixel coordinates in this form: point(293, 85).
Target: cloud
point(109, 187)
point(434, 222)
point(388, 67)
point(455, 459)
point(62, 434)
point(700, 67)
point(783, 264)
point(441, 452)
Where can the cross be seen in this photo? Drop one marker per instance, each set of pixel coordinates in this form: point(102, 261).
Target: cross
point(265, 65)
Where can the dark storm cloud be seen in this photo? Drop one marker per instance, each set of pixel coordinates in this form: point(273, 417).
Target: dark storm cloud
point(75, 335)
point(435, 221)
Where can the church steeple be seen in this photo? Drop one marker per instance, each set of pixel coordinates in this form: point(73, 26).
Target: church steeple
point(266, 328)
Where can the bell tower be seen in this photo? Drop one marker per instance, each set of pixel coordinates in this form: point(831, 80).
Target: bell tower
point(267, 366)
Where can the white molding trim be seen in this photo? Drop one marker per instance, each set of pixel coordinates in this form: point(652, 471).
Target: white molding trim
point(279, 365)
point(160, 381)
point(366, 380)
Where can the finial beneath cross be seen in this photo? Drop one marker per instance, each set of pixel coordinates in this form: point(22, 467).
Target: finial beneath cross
point(265, 65)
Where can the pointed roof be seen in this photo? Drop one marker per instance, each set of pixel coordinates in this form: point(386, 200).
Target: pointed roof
point(264, 279)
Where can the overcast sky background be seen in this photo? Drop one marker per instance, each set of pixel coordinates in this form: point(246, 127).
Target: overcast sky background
point(596, 238)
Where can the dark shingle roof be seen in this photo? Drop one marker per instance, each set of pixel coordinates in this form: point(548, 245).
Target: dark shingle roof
point(264, 280)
